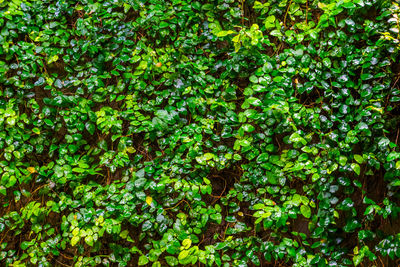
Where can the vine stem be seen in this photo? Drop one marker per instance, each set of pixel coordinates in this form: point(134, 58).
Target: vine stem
point(287, 11)
point(242, 9)
point(307, 12)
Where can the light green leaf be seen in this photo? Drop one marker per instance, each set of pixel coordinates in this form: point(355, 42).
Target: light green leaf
point(89, 240)
point(359, 158)
point(356, 168)
point(75, 240)
point(143, 260)
point(306, 211)
point(224, 33)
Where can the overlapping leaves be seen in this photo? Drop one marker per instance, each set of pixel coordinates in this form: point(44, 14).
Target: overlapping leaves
point(148, 132)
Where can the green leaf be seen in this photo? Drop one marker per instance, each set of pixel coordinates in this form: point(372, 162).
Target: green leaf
point(315, 177)
point(392, 156)
point(124, 234)
point(349, 5)
point(253, 79)
point(254, 101)
point(342, 160)
point(208, 156)
point(78, 170)
point(216, 217)
point(356, 168)
point(359, 158)
point(52, 59)
point(262, 157)
point(40, 81)
point(163, 24)
point(171, 261)
point(147, 225)
point(75, 240)
point(327, 62)
point(276, 33)
point(90, 127)
point(143, 260)
point(89, 240)
point(305, 211)
point(237, 157)
point(142, 65)
point(3, 190)
point(183, 254)
point(224, 33)
point(12, 181)
point(357, 259)
point(25, 245)
point(248, 128)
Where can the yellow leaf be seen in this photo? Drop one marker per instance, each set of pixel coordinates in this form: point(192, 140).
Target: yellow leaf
point(131, 149)
point(398, 164)
point(380, 110)
point(335, 214)
point(186, 243)
point(149, 200)
point(31, 169)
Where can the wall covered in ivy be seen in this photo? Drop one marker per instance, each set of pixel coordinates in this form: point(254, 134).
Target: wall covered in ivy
point(199, 133)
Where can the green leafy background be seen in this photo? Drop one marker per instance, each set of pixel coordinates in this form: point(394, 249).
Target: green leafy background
point(217, 133)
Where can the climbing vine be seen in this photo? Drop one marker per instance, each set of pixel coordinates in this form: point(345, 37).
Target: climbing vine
point(215, 133)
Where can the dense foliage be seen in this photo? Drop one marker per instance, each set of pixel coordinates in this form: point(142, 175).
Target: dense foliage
point(223, 133)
